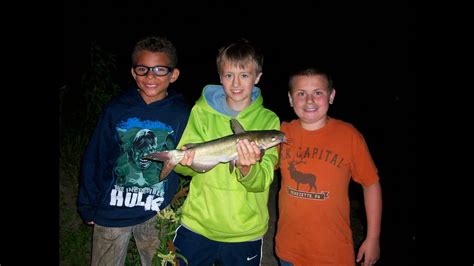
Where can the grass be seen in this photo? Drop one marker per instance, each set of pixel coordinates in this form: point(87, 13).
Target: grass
point(74, 236)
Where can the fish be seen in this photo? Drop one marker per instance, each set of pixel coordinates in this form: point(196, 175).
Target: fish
point(221, 150)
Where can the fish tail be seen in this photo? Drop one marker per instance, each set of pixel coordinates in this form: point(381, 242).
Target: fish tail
point(167, 157)
point(168, 166)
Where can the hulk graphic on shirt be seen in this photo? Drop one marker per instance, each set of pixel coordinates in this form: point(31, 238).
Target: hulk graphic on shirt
point(131, 169)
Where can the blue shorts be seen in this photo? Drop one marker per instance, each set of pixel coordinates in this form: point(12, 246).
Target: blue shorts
point(199, 250)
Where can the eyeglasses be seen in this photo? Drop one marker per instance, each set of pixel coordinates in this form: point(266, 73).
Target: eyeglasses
point(160, 71)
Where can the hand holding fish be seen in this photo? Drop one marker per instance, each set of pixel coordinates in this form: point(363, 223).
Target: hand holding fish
point(248, 155)
point(188, 157)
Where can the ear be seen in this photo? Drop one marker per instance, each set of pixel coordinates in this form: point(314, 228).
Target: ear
point(174, 75)
point(133, 74)
point(289, 98)
point(332, 96)
point(258, 78)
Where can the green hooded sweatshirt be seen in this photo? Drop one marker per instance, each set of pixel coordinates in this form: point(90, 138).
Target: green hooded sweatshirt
point(224, 206)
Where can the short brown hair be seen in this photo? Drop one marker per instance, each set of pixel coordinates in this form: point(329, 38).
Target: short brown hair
point(311, 71)
point(240, 52)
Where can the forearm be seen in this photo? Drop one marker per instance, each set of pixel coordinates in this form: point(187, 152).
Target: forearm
point(373, 209)
point(260, 175)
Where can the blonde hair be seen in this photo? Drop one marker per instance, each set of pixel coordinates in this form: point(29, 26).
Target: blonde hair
point(240, 52)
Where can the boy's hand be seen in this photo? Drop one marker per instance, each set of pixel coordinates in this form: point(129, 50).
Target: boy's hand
point(248, 153)
point(188, 157)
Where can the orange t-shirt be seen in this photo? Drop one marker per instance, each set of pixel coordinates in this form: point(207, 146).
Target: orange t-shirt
point(314, 211)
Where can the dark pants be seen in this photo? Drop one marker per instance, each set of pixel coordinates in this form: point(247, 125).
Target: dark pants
point(199, 250)
point(285, 263)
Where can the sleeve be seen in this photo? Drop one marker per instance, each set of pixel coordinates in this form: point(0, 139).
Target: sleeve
point(191, 134)
point(261, 174)
point(364, 170)
point(94, 173)
point(285, 129)
point(182, 124)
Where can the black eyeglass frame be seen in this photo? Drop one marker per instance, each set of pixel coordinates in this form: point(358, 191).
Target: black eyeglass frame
point(170, 69)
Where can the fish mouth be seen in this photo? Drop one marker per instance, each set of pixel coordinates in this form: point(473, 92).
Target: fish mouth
point(286, 141)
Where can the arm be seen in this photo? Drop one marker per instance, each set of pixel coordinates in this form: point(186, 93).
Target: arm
point(192, 134)
point(92, 170)
point(370, 248)
point(256, 170)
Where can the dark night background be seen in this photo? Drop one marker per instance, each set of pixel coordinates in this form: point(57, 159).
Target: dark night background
point(368, 46)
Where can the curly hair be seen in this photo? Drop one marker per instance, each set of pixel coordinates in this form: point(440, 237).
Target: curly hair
point(156, 44)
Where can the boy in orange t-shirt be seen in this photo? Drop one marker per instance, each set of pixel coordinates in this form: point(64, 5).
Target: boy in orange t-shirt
point(316, 166)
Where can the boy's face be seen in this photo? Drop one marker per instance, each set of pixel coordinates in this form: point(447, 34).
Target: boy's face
point(238, 83)
point(152, 87)
point(310, 98)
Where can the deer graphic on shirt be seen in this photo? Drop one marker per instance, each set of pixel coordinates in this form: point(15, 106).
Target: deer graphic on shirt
point(300, 177)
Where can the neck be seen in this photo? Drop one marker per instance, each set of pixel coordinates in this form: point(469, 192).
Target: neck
point(315, 126)
point(238, 106)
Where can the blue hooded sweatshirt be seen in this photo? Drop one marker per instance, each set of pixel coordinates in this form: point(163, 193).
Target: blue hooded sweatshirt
point(118, 187)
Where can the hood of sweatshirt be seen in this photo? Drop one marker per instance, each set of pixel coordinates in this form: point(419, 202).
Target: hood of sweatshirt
point(215, 97)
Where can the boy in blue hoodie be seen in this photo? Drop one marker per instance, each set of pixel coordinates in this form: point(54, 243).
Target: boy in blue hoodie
point(120, 192)
point(225, 215)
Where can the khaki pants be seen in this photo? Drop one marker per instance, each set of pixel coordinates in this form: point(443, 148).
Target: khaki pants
point(110, 244)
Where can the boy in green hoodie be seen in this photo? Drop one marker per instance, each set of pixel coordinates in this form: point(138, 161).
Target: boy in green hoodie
point(225, 215)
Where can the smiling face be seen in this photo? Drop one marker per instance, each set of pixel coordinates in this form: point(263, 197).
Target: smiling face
point(310, 97)
point(152, 87)
point(238, 79)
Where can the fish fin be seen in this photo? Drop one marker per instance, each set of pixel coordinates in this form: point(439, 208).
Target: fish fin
point(168, 166)
point(231, 166)
point(236, 126)
point(262, 152)
point(165, 157)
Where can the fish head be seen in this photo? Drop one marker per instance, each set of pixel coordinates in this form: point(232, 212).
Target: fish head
point(270, 138)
